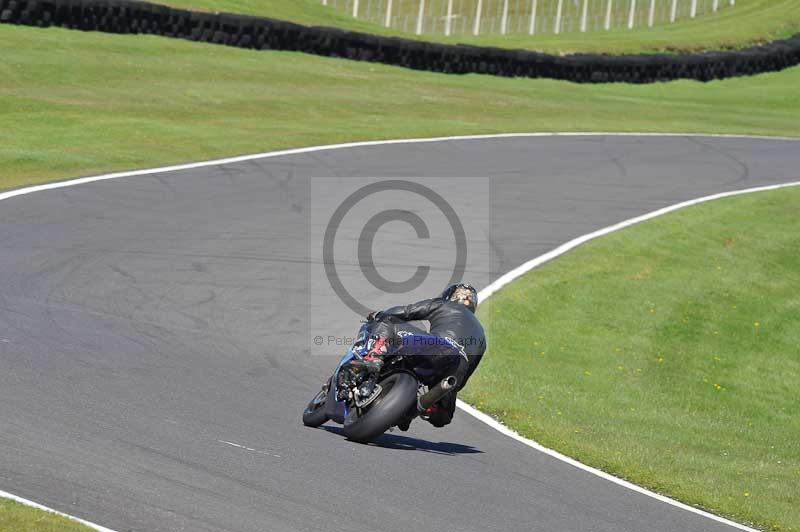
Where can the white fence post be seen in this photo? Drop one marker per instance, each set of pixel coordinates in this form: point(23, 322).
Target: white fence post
point(476, 26)
point(674, 13)
point(584, 15)
point(324, 2)
point(693, 12)
point(419, 16)
point(532, 26)
point(448, 22)
point(715, 6)
point(607, 24)
point(388, 20)
point(355, 8)
point(504, 20)
point(651, 17)
point(632, 15)
point(558, 16)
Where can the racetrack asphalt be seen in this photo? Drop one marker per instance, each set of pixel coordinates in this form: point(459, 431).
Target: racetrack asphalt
point(152, 339)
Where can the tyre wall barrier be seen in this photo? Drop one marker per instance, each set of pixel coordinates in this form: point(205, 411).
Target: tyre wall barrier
point(130, 16)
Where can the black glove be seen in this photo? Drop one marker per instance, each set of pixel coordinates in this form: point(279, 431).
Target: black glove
point(372, 316)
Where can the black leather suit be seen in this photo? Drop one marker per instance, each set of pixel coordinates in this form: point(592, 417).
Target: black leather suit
point(447, 319)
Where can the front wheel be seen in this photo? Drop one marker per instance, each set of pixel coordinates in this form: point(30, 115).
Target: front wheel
point(398, 396)
point(314, 415)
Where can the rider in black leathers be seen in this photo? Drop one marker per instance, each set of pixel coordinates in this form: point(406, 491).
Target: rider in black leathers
point(451, 315)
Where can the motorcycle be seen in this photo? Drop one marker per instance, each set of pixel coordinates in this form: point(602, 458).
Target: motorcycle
point(416, 373)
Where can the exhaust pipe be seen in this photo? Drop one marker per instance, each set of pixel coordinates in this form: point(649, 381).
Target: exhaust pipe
point(436, 393)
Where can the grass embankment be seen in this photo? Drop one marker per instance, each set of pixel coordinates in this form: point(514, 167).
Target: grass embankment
point(308, 12)
point(748, 22)
point(74, 103)
point(16, 517)
point(666, 353)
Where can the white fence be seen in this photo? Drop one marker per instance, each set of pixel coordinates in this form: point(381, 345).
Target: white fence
point(476, 17)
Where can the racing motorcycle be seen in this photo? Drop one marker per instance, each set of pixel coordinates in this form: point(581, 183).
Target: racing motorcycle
point(368, 402)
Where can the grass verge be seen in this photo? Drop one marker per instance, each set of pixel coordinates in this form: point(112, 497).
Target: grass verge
point(16, 517)
point(74, 103)
point(748, 22)
point(665, 354)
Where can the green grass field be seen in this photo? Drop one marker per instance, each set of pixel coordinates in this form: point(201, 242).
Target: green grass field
point(74, 103)
point(308, 12)
point(665, 353)
point(749, 22)
point(15, 517)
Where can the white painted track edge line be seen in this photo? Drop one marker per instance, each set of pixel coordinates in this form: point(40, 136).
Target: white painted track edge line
point(557, 252)
point(572, 244)
point(311, 149)
point(493, 423)
point(486, 292)
point(36, 505)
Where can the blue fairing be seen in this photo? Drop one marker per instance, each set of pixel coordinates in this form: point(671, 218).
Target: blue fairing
point(417, 349)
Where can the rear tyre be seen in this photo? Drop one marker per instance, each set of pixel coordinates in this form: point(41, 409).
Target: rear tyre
point(398, 396)
point(314, 415)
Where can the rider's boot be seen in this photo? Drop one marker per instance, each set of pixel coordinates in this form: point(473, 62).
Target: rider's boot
point(441, 413)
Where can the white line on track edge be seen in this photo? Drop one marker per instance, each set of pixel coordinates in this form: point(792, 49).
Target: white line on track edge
point(26, 502)
point(572, 244)
point(297, 151)
point(483, 294)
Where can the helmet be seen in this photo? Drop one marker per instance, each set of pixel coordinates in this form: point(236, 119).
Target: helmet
point(462, 293)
